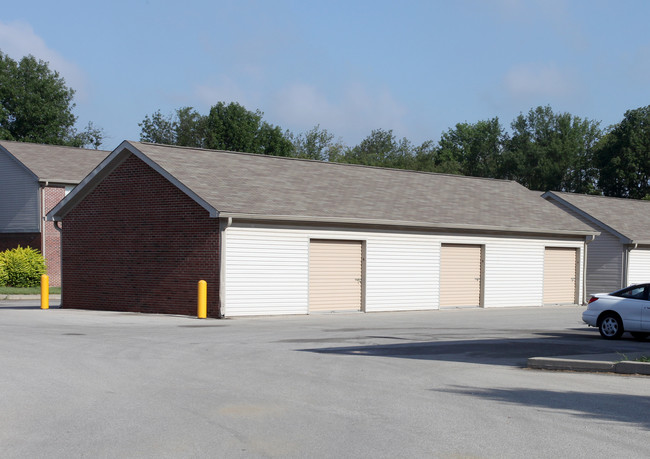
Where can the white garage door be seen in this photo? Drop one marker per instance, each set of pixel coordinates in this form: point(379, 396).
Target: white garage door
point(460, 275)
point(638, 266)
point(559, 275)
point(335, 275)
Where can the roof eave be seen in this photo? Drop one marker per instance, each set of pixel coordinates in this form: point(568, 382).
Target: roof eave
point(55, 181)
point(624, 239)
point(402, 223)
point(112, 161)
point(638, 242)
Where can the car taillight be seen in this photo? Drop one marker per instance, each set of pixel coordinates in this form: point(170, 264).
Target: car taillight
point(593, 298)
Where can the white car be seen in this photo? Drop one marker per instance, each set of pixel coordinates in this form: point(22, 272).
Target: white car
point(626, 310)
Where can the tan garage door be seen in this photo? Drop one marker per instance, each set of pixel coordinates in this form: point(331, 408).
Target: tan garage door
point(460, 275)
point(559, 275)
point(335, 277)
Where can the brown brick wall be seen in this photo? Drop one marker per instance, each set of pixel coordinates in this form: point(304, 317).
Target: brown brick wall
point(137, 243)
point(51, 237)
point(13, 240)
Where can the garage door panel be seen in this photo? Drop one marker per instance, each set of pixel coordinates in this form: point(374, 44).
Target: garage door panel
point(560, 275)
point(639, 266)
point(335, 275)
point(460, 275)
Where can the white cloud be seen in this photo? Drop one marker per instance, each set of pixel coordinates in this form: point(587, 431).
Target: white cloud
point(18, 39)
point(353, 114)
point(533, 81)
point(227, 90)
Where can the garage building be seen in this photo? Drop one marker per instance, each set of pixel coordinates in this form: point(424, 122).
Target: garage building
point(275, 235)
point(620, 255)
point(33, 179)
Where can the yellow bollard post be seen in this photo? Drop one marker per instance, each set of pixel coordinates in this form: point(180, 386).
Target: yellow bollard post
point(45, 292)
point(203, 300)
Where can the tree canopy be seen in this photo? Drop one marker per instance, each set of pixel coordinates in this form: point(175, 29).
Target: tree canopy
point(544, 150)
point(317, 144)
point(36, 105)
point(552, 151)
point(623, 157)
point(226, 127)
point(471, 149)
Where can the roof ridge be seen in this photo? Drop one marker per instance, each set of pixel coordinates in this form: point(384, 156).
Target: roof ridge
point(309, 160)
point(601, 196)
point(49, 145)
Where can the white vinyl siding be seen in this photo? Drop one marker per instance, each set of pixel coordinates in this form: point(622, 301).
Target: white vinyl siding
point(512, 273)
point(560, 275)
point(639, 266)
point(335, 275)
point(604, 264)
point(402, 272)
point(267, 268)
point(19, 198)
point(267, 273)
point(460, 275)
point(604, 257)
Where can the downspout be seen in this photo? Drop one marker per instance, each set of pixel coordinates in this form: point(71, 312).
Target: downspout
point(58, 228)
point(584, 269)
point(222, 265)
point(42, 222)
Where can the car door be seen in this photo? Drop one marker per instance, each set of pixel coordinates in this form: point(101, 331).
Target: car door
point(630, 306)
point(645, 312)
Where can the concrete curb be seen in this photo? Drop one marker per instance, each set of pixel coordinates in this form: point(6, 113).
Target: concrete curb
point(626, 367)
point(27, 297)
point(632, 368)
point(549, 363)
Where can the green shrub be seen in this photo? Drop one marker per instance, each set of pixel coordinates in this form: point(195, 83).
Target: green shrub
point(3, 270)
point(23, 266)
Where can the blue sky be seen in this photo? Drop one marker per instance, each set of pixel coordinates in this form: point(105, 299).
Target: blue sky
point(416, 67)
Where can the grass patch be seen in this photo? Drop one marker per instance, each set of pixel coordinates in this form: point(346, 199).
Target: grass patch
point(642, 358)
point(27, 290)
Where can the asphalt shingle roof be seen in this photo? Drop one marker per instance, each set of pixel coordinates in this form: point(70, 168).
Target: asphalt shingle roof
point(628, 217)
point(240, 184)
point(54, 163)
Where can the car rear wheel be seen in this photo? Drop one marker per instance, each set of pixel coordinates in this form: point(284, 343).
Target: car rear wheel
point(611, 326)
point(639, 335)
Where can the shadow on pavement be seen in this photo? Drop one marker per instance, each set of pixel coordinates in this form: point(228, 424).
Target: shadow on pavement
point(509, 352)
point(626, 408)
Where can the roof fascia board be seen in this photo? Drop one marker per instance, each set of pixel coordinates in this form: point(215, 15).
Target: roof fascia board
point(23, 165)
point(440, 226)
point(108, 165)
point(624, 239)
point(53, 182)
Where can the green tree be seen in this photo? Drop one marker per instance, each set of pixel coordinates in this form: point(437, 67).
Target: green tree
point(190, 128)
point(158, 128)
point(549, 151)
point(317, 144)
point(36, 105)
point(623, 156)
point(472, 149)
point(227, 127)
point(427, 159)
point(185, 127)
point(232, 127)
point(381, 148)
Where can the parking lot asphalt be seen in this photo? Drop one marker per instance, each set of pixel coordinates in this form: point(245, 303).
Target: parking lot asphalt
point(451, 383)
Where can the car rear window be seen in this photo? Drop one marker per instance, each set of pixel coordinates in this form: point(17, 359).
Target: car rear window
point(636, 293)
